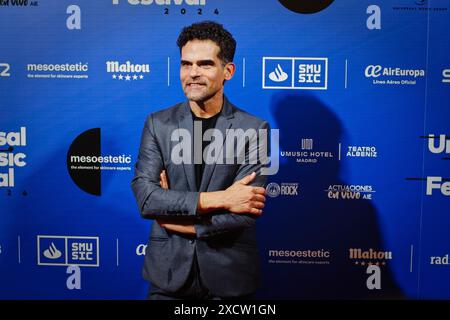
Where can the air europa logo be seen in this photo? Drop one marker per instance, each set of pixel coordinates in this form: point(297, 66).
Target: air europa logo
point(306, 6)
point(85, 161)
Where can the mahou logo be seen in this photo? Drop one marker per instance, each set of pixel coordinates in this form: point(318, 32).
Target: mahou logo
point(127, 71)
point(306, 6)
point(369, 257)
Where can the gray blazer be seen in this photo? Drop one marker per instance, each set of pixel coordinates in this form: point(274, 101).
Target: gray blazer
point(225, 243)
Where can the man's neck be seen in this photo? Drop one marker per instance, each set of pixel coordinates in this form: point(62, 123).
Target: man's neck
point(209, 108)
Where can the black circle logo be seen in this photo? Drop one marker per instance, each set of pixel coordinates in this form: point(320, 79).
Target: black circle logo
point(306, 6)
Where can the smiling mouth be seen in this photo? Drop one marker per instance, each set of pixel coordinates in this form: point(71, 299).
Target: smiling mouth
point(195, 85)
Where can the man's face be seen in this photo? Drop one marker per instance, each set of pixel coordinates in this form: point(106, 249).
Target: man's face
point(202, 73)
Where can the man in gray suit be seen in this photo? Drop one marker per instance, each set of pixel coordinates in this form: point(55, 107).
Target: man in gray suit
point(203, 245)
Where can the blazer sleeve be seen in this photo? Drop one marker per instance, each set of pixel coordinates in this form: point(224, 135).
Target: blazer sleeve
point(153, 201)
point(220, 222)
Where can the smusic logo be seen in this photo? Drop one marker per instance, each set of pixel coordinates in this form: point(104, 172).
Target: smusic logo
point(446, 76)
point(68, 251)
point(295, 73)
point(85, 162)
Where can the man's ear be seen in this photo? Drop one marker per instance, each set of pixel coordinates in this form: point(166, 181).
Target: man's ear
point(229, 69)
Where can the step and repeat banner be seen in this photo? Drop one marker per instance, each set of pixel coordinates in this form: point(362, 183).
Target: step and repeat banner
point(360, 93)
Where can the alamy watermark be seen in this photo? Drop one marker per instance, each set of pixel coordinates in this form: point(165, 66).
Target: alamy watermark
point(237, 147)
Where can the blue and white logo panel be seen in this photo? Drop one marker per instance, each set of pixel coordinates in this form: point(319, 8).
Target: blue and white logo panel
point(68, 250)
point(311, 73)
point(277, 73)
point(295, 73)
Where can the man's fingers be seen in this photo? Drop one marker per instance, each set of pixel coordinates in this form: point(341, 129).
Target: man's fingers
point(163, 180)
point(162, 184)
point(257, 205)
point(161, 222)
point(259, 190)
point(255, 211)
point(247, 179)
point(258, 197)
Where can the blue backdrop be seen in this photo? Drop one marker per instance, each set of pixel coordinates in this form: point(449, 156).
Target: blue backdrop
point(360, 92)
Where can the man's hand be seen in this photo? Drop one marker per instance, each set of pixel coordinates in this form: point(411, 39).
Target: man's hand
point(163, 181)
point(238, 198)
point(241, 198)
point(180, 227)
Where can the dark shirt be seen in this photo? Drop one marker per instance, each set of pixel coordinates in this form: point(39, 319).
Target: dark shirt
point(207, 123)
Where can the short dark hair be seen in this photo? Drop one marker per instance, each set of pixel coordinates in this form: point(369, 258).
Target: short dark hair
point(210, 30)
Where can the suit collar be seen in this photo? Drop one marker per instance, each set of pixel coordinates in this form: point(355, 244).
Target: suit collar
point(224, 122)
point(226, 111)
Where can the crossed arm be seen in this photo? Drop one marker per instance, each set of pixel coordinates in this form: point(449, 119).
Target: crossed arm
point(238, 198)
point(205, 213)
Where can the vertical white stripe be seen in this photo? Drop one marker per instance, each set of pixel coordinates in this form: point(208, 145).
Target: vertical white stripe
point(18, 250)
point(168, 71)
point(411, 263)
point(293, 73)
point(66, 248)
point(243, 72)
point(117, 251)
point(339, 151)
point(264, 73)
point(346, 67)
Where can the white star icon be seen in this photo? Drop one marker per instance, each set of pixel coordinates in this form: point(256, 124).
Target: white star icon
point(127, 78)
point(120, 77)
point(114, 76)
point(141, 77)
point(135, 77)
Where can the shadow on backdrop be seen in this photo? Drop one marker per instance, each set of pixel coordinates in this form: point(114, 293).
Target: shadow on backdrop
point(313, 221)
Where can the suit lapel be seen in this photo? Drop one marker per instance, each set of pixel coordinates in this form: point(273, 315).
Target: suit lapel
point(224, 122)
point(185, 122)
